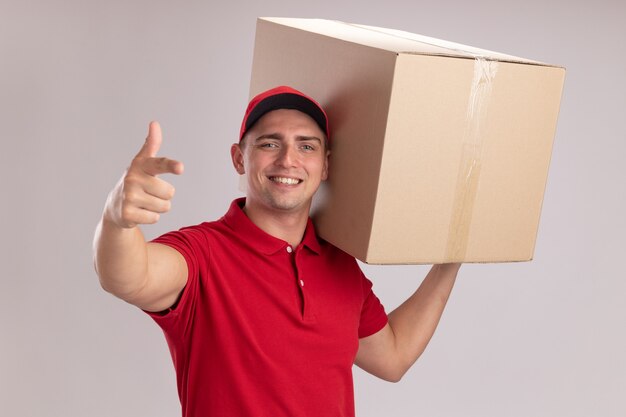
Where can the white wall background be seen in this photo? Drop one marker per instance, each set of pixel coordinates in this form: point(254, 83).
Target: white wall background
point(79, 82)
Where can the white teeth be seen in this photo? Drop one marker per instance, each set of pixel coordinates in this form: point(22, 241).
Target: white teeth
point(283, 180)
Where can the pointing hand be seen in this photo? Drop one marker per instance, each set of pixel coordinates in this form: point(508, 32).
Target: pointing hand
point(140, 196)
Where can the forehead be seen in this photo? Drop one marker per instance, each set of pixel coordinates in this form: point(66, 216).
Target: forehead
point(283, 120)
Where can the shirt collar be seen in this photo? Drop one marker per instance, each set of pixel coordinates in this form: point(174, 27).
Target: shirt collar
point(265, 243)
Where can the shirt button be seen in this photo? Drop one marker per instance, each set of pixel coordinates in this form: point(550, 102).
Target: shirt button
point(301, 283)
point(289, 249)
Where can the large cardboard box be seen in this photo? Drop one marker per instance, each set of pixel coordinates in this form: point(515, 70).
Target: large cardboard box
point(440, 151)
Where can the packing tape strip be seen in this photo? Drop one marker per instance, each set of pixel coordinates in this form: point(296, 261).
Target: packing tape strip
point(471, 159)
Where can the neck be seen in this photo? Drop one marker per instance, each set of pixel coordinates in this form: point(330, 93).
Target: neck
point(288, 225)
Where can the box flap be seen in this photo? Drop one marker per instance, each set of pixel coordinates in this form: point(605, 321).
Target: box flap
point(392, 40)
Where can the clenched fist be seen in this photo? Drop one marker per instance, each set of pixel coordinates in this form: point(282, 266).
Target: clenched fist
point(140, 196)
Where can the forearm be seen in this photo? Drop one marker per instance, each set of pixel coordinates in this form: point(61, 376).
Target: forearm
point(414, 321)
point(148, 275)
point(120, 259)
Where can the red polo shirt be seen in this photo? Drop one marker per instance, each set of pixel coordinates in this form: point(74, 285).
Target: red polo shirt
point(264, 329)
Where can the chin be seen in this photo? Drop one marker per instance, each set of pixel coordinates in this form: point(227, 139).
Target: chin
point(286, 204)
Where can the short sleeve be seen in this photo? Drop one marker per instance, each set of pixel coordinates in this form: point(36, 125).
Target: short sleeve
point(373, 316)
point(190, 242)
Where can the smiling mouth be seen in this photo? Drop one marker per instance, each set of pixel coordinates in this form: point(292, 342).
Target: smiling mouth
point(285, 180)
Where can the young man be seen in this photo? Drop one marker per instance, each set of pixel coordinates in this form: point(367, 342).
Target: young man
point(262, 318)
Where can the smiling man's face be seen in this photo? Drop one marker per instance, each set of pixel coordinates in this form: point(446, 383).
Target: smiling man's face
point(285, 159)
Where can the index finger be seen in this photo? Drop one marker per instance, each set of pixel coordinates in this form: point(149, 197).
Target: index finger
point(157, 166)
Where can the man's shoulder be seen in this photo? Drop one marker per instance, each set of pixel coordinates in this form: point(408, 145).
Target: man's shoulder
point(204, 231)
point(329, 249)
point(205, 226)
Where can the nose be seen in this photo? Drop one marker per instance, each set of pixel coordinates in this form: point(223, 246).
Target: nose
point(288, 156)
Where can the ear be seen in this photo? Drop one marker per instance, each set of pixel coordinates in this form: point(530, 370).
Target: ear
point(325, 169)
point(236, 154)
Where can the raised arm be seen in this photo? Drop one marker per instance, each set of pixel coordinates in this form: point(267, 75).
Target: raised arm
point(390, 352)
point(148, 275)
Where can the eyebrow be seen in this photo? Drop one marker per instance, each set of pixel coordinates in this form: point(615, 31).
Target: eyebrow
point(279, 136)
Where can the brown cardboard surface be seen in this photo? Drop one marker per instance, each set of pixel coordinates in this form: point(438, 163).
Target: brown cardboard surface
point(435, 157)
point(392, 40)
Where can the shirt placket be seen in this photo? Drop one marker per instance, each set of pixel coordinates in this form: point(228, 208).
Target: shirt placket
point(297, 257)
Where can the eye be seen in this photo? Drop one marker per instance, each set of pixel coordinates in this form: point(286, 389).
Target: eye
point(267, 145)
point(307, 147)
